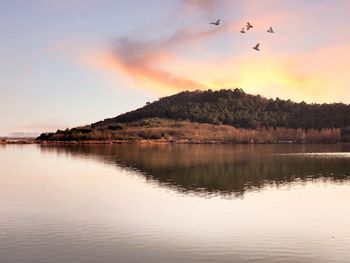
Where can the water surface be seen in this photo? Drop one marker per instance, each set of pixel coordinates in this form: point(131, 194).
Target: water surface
point(175, 203)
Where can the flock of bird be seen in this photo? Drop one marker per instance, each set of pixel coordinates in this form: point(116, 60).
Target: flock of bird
point(244, 29)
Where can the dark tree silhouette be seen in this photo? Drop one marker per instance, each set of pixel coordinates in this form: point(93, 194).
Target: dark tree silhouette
point(236, 108)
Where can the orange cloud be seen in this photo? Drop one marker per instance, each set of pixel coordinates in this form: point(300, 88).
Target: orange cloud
point(282, 68)
point(151, 62)
point(142, 60)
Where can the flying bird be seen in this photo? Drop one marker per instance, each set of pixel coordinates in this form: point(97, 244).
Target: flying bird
point(270, 30)
point(215, 23)
point(256, 47)
point(249, 26)
point(242, 30)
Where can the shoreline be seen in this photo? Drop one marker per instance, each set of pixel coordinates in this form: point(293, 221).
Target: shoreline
point(151, 142)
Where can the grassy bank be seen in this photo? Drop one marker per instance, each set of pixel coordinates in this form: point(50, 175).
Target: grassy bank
point(169, 131)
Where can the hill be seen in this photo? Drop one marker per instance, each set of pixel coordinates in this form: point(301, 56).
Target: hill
point(238, 109)
point(229, 109)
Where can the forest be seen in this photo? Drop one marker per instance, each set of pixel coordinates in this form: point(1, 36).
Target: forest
point(241, 110)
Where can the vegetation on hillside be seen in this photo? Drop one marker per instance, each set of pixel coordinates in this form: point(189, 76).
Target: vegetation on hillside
point(241, 110)
point(229, 116)
point(184, 131)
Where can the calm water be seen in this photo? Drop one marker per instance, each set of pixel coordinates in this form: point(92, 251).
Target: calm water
point(188, 203)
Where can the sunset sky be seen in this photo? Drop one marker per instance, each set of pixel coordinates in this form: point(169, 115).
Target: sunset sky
point(71, 62)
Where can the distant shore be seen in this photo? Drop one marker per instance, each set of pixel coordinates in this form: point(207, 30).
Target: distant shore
point(165, 131)
point(18, 141)
point(149, 142)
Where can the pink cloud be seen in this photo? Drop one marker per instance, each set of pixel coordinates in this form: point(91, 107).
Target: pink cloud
point(286, 67)
point(143, 59)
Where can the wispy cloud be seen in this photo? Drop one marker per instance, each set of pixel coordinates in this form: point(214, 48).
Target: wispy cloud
point(150, 62)
point(143, 59)
point(290, 66)
point(204, 4)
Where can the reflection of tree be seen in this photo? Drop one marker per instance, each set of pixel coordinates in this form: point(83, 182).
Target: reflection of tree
point(223, 169)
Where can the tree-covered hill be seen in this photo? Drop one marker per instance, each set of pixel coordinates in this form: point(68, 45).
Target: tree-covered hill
point(227, 116)
point(241, 110)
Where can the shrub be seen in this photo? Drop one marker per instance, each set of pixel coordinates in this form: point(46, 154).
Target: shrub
point(115, 127)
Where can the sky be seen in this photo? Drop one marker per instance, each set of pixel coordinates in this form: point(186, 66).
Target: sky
point(68, 63)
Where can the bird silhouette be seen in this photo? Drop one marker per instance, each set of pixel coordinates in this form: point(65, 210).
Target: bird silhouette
point(249, 26)
point(215, 23)
point(242, 30)
point(270, 30)
point(256, 47)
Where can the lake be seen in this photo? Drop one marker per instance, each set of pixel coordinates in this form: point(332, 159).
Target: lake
point(174, 203)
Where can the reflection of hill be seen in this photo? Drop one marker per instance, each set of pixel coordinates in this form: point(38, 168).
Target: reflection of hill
point(223, 169)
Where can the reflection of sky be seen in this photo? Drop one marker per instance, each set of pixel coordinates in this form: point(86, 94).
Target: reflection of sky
point(65, 63)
